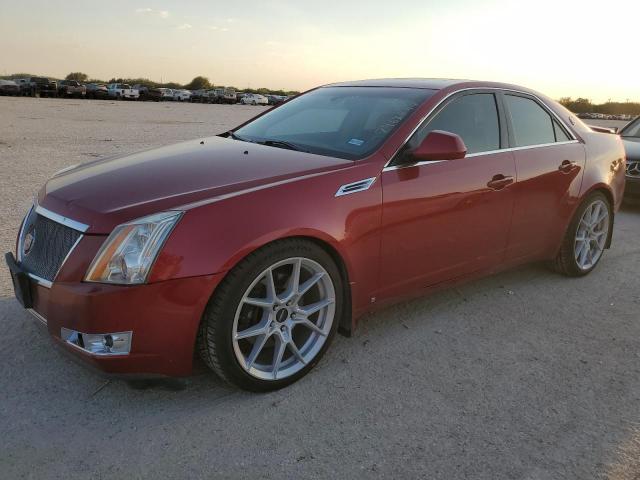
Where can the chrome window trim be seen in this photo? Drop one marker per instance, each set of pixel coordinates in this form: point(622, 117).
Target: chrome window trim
point(417, 164)
point(525, 147)
point(81, 227)
point(479, 154)
point(574, 139)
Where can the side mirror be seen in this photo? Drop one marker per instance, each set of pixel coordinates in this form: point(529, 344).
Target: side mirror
point(440, 145)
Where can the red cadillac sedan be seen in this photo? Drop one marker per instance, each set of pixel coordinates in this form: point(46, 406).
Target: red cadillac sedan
point(252, 248)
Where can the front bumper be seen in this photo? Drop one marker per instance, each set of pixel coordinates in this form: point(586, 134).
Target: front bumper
point(632, 188)
point(163, 317)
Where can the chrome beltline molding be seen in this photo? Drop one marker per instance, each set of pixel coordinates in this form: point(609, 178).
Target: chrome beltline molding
point(388, 167)
point(479, 154)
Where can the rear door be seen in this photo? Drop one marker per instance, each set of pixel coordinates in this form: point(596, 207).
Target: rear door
point(445, 219)
point(549, 164)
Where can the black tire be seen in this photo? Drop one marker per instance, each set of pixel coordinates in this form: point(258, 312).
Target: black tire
point(214, 341)
point(565, 262)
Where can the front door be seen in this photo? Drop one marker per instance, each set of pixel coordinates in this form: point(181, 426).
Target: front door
point(445, 219)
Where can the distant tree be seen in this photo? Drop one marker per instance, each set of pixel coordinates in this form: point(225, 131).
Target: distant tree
point(579, 105)
point(77, 76)
point(198, 83)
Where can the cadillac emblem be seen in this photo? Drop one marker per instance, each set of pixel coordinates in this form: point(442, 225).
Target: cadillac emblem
point(27, 243)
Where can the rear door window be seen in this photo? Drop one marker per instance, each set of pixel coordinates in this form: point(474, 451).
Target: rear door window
point(532, 125)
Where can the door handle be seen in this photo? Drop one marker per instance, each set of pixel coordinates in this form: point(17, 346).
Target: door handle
point(567, 166)
point(498, 182)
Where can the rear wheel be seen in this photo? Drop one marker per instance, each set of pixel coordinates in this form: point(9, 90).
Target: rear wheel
point(273, 317)
point(587, 236)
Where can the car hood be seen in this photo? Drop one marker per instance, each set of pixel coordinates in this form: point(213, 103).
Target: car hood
point(632, 147)
point(107, 192)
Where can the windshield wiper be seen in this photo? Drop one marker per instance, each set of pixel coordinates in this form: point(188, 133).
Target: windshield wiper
point(282, 144)
point(231, 134)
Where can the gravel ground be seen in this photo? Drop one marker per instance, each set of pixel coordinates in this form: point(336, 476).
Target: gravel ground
point(524, 375)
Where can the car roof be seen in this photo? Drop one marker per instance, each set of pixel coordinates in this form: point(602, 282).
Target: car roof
point(431, 83)
point(428, 83)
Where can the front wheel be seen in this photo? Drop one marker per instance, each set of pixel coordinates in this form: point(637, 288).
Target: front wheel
point(587, 237)
point(273, 317)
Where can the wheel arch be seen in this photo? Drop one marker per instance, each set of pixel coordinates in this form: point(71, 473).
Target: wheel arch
point(346, 322)
point(345, 326)
point(608, 193)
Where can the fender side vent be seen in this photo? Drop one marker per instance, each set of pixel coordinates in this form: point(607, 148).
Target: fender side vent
point(355, 187)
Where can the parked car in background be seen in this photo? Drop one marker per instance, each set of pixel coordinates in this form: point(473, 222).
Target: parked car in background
point(39, 86)
point(71, 88)
point(181, 95)
point(143, 91)
point(122, 91)
point(254, 99)
point(97, 91)
point(199, 96)
point(222, 95)
point(630, 135)
point(154, 94)
point(276, 99)
point(22, 85)
point(392, 188)
point(9, 87)
point(166, 94)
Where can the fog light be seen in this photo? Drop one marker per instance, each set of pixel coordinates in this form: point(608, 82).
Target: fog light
point(99, 343)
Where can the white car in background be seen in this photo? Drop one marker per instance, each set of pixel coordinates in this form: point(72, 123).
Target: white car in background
point(181, 95)
point(122, 91)
point(254, 99)
point(166, 94)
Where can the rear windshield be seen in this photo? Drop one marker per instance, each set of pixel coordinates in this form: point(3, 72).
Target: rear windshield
point(344, 122)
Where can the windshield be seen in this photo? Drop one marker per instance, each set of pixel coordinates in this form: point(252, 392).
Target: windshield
point(345, 122)
point(632, 129)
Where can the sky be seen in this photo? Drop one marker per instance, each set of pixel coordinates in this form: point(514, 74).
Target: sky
point(559, 47)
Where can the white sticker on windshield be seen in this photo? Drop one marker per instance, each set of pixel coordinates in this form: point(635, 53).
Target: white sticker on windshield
point(356, 141)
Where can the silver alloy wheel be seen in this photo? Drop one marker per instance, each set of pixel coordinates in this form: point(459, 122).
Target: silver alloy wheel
point(591, 235)
point(284, 318)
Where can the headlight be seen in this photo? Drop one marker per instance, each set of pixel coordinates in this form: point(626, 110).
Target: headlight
point(126, 257)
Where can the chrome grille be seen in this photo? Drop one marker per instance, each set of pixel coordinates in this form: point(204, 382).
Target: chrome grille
point(44, 245)
point(633, 168)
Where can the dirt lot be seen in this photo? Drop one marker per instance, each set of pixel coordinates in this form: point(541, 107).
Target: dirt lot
point(524, 375)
